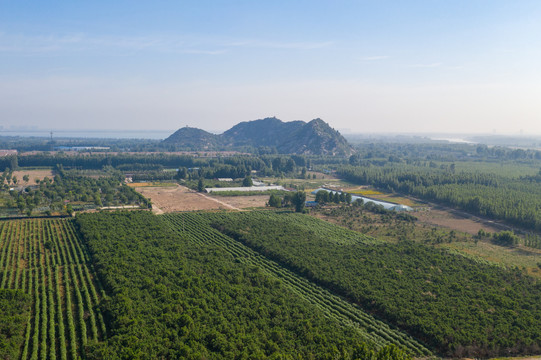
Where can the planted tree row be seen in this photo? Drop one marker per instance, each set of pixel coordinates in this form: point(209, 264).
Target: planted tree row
point(171, 297)
point(46, 260)
point(196, 227)
point(456, 305)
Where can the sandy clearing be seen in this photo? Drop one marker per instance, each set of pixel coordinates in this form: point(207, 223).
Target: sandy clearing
point(179, 198)
point(456, 220)
point(218, 201)
point(244, 202)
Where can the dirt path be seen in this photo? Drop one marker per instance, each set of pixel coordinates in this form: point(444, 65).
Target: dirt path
point(166, 199)
point(156, 210)
point(219, 202)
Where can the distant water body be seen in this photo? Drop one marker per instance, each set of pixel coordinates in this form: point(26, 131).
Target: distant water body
point(454, 140)
point(99, 134)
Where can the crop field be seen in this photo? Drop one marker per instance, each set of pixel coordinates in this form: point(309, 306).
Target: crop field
point(365, 192)
point(197, 227)
point(182, 290)
point(408, 284)
point(46, 259)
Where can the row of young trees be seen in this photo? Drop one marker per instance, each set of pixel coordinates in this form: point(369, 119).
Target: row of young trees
point(453, 303)
point(208, 167)
point(324, 197)
point(370, 329)
point(172, 297)
point(45, 260)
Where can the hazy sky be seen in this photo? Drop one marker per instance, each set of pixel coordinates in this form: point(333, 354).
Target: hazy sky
point(368, 66)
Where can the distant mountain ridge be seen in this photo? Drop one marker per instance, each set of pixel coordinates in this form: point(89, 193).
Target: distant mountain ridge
point(295, 137)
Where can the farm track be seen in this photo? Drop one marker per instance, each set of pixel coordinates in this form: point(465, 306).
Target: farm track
point(196, 228)
point(46, 259)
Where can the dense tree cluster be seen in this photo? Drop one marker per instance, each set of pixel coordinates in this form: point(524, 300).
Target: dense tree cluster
point(68, 187)
point(172, 299)
point(25, 143)
point(152, 161)
point(514, 200)
point(14, 313)
point(453, 303)
point(325, 197)
point(423, 150)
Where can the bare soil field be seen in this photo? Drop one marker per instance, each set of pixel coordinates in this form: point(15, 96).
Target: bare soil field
point(244, 202)
point(180, 198)
point(456, 220)
point(33, 175)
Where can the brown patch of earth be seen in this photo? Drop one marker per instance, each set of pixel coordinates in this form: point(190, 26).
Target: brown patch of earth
point(456, 220)
point(180, 198)
point(33, 175)
point(244, 202)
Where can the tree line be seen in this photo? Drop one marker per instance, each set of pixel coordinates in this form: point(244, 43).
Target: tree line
point(514, 200)
point(171, 296)
point(450, 302)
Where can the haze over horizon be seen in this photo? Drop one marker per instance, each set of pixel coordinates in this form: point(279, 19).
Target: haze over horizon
point(400, 67)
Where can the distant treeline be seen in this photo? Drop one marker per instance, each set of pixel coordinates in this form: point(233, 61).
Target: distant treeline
point(461, 307)
point(21, 143)
point(207, 167)
point(407, 152)
point(517, 201)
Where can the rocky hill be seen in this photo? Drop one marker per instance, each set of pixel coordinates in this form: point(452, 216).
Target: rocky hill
point(295, 137)
point(194, 138)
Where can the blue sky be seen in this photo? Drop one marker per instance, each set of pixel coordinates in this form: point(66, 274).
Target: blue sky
point(367, 66)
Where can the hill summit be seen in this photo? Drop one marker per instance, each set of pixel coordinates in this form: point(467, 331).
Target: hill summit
point(295, 137)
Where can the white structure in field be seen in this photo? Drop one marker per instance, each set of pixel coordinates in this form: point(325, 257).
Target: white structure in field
point(247, 188)
point(386, 205)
